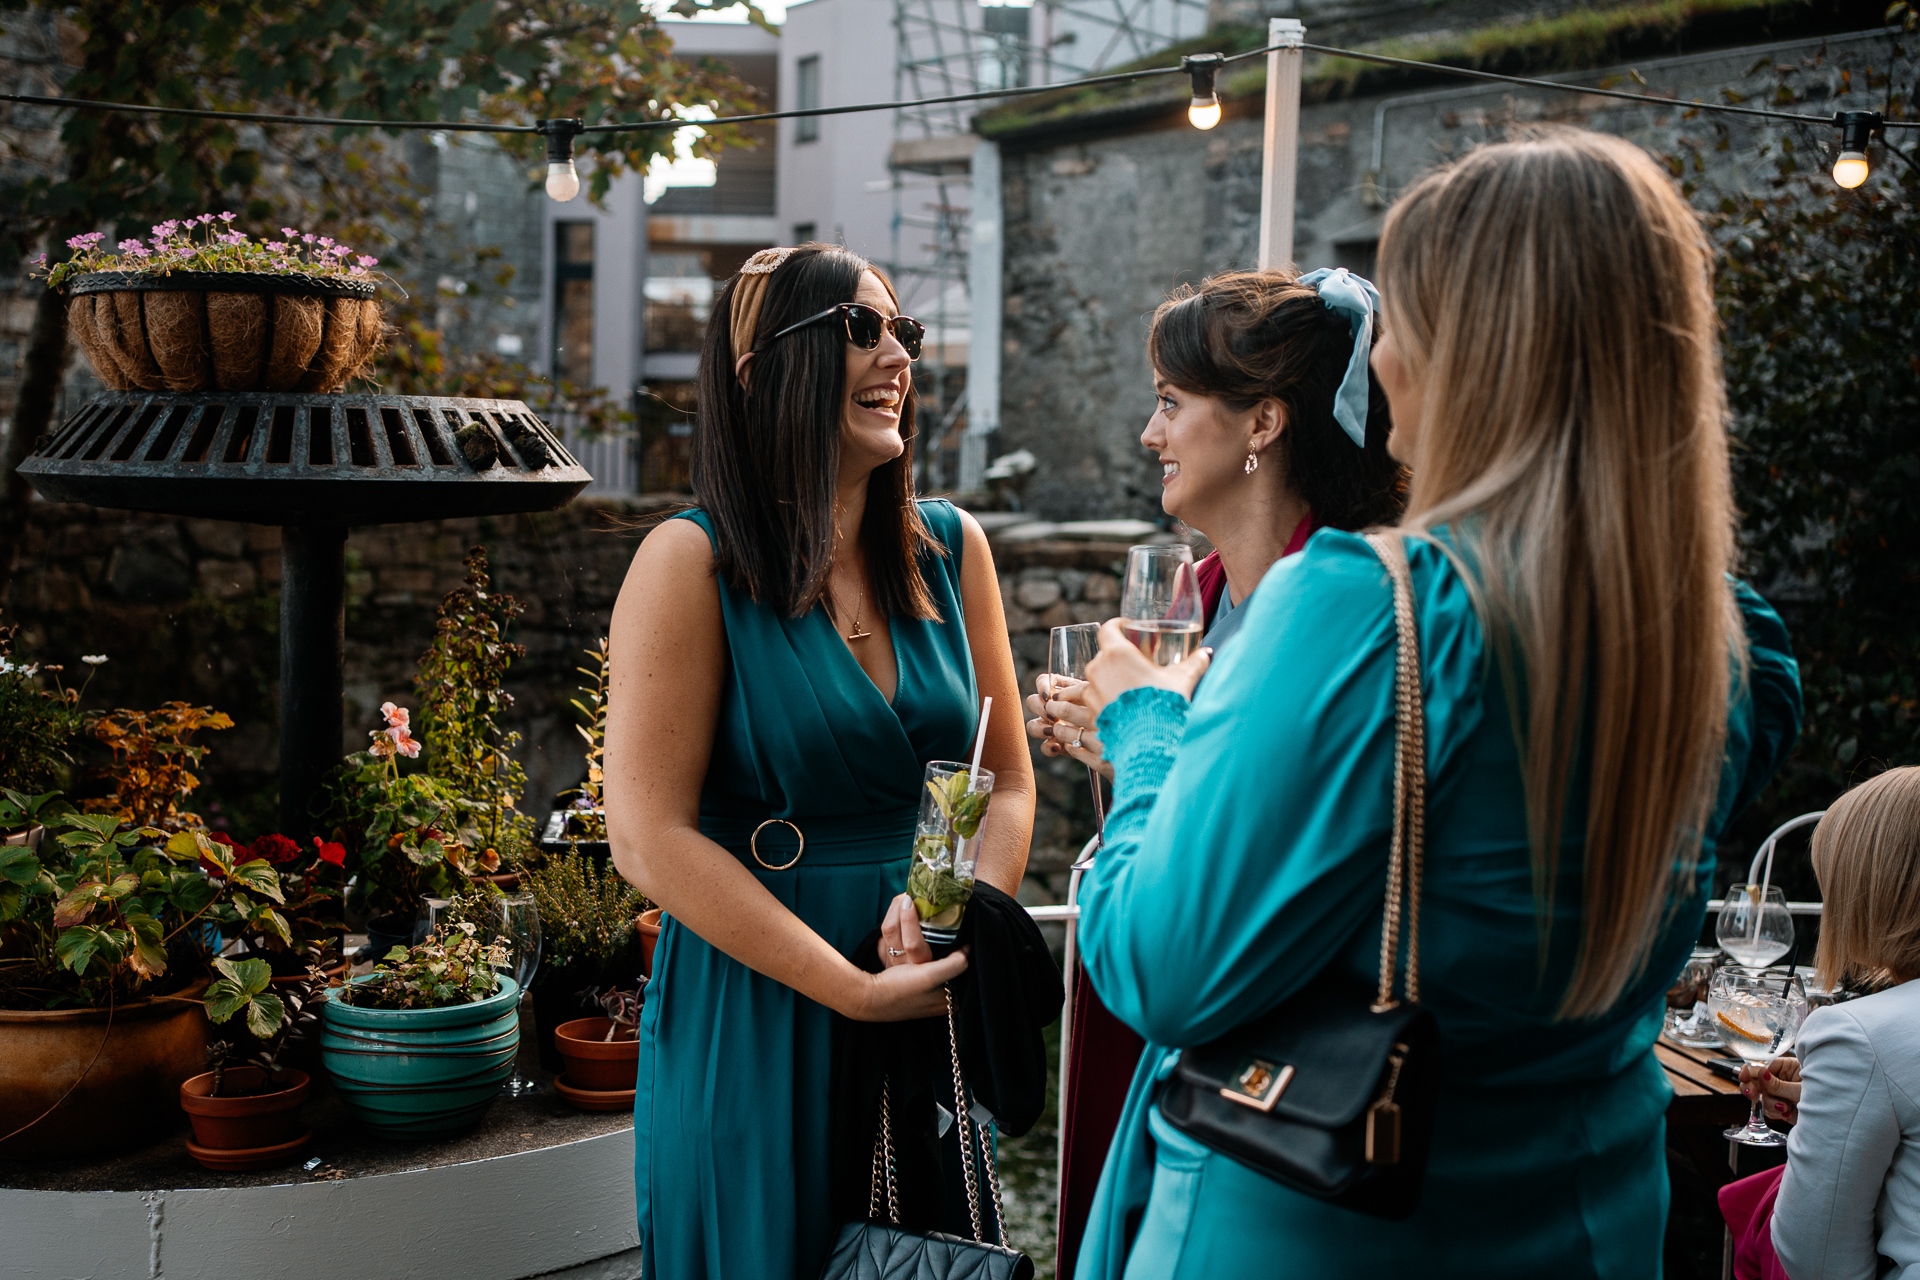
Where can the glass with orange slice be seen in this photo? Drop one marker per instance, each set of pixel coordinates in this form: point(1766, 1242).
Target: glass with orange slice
point(1758, 1013)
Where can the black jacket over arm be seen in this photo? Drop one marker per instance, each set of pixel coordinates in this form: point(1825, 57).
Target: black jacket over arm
point(1009, 993)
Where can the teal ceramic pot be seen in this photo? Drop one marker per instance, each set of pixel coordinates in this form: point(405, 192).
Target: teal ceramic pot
point(421, 1073)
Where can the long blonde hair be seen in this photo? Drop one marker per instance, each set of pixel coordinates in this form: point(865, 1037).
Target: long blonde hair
point(1866, 852)
point(1554, 296)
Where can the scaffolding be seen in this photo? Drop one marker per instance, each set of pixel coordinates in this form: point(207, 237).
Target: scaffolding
point(962, 46)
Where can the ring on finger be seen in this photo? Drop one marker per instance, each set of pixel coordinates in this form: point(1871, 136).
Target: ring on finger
point(895, 951)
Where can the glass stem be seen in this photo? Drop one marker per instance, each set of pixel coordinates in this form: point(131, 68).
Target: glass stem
point(1756, 1120)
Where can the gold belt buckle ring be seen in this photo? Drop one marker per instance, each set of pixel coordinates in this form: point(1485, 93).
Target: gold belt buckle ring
point(753, 843)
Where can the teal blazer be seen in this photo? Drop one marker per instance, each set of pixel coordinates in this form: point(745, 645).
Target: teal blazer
point(1246, 851)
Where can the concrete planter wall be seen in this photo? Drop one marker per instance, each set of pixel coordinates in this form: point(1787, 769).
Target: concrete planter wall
point(421, 1072)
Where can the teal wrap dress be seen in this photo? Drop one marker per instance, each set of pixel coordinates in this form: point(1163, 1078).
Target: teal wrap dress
point(731, 1099)
point(1246, 849)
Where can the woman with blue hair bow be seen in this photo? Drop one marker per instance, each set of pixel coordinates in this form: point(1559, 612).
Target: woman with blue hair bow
point(1601, 698)
point(1267, 426)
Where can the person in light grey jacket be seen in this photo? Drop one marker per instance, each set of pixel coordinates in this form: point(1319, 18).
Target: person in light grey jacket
point(1849, 1204)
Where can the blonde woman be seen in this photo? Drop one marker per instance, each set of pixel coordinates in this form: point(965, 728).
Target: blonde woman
point(1601, 700)
point(1851, 1194)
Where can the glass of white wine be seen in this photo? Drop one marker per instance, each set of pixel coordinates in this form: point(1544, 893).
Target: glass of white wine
point(1160, 606)
point(1755, 926)
point(1758, 1015)
point(1069, 649)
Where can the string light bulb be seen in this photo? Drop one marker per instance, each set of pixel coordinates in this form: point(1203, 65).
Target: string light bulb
point(1204, 112)
point(1856, 130)
point(563, 180)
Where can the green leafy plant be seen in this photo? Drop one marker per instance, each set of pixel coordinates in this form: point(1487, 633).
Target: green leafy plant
point(588, 818)
point(1819, 290)
point(154, 757)
point(37, 725)
point(20, 812)
point(459, 681)
point(310, 884)
point(101, 913)
point(270, 1021)
point(412, 836)
point(586, 913)
point(452, 967)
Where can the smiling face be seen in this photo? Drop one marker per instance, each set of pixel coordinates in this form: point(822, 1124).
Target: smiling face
point(1202, 447)
point(877, 385)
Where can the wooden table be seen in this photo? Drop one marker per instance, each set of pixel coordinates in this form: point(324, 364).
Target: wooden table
point(1699, 1096)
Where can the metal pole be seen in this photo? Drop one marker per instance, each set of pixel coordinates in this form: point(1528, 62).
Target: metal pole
point(1282, 153)
point(313, 642)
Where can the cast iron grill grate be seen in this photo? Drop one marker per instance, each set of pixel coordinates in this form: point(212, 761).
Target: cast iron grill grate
point(298, 458)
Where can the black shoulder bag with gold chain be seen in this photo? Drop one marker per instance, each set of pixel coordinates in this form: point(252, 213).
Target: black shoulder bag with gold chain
point(1332, 1093)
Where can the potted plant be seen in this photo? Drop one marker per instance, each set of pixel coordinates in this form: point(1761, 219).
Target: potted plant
point(420, 1046)
point(100, 1013)
point(602, 1055)
point(432, 833)
point(202, 307)
point(589, 939)
point(582, 824)
point(310, 886)
point(245, 1116)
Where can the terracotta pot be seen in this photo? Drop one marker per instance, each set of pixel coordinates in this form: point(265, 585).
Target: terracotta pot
point(648, 923)
point(240, 1121)
point(125, 1097)
point(593, 1062)
point(223, 331)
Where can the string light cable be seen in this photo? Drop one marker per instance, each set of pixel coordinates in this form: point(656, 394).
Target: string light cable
point(563, 181)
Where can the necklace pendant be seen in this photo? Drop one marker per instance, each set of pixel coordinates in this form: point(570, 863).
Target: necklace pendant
point(857, 633)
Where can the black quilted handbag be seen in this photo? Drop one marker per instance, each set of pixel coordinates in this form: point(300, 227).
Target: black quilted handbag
point(1333, 1092)
point(879, 1248)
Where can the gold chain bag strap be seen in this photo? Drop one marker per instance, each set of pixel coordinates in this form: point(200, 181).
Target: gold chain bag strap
point(881, 1249)
point(1332, 1093)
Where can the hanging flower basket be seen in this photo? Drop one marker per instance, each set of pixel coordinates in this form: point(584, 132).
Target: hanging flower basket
point(223, 330)
point(202, 307)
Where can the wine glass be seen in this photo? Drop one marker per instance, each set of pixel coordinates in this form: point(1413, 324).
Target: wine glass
point(1688, 1021)
point(1069, 650)
point(1755, 929)
point(1160, 606)
point(518, 925)
point(1758, 1014)
point(434, 914)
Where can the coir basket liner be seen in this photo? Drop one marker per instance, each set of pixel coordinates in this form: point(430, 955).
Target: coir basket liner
point(223, 331)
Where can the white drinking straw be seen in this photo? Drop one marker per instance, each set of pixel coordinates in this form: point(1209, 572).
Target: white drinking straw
point(979, 743)
point(1760, 899)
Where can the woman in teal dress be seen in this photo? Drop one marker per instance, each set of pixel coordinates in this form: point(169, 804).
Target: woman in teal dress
point(1589, 670)
point(786, 658)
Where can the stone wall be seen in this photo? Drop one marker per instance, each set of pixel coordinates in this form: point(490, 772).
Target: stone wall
point(189, 609)
point(1102, 223)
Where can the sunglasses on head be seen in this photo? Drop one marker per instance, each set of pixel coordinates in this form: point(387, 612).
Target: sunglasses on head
point(866, 325)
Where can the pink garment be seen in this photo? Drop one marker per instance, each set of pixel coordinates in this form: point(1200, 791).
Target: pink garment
point(1747, 1205)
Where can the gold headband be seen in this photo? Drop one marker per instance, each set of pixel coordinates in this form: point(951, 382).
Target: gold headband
point(749, 291)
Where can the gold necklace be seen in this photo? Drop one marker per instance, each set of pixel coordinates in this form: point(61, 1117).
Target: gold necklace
point(856, 633)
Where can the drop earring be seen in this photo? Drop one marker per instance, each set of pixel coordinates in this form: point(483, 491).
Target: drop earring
point(1253, 462)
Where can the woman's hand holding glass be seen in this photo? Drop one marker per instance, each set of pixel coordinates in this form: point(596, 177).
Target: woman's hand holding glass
point(910, 984)
point(1120, 666)
point(1062, 723)
point(1778, 1082)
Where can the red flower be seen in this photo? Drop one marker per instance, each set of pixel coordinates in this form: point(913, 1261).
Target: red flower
point(329, 851)
point(275, 849)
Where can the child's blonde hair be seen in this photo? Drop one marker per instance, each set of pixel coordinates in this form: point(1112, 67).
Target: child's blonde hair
point(1866, 852)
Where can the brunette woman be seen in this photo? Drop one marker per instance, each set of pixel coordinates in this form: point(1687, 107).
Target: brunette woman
point(787, 657)
point(1600, 701)
point(1267, 425)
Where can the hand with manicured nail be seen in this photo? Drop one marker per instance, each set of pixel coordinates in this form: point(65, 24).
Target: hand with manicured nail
point(1778, 1082)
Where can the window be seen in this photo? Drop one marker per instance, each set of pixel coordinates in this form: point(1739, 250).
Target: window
point(805, 231)
point(573, 303)
point(807, 128)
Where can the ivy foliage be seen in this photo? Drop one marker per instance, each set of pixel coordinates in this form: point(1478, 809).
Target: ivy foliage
point(1819, 292)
